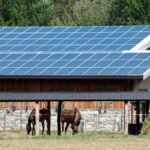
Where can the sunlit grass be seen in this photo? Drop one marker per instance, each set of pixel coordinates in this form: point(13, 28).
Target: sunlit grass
point(82, 141)
point(88, 136)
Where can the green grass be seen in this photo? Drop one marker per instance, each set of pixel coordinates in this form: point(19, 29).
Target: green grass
point(90, 136)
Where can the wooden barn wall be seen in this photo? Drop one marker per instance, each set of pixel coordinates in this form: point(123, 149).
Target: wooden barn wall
point(142, 85)
point(65, 85)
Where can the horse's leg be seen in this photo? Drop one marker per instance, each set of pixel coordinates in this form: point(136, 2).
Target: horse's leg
point(67, 125)
point(33, 128)
point(48, 127)
point(63, 126)
point(43, 125)
point(72, 127)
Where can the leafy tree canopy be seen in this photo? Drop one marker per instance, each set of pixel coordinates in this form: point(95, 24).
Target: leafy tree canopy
point(74, 12)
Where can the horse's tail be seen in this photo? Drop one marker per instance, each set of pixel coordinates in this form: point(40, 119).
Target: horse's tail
point(77, 115)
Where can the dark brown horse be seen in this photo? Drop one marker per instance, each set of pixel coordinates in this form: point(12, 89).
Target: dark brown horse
point(43, 116)
point(70, 116)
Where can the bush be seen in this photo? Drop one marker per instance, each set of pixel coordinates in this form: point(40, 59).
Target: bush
point(146, 126)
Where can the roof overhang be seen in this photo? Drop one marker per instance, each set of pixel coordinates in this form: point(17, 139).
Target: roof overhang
point(73, 96)
point(68, 77)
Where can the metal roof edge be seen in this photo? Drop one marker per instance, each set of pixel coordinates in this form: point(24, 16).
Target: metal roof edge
point(68, 77)
point(74, 96)
point(146, 74)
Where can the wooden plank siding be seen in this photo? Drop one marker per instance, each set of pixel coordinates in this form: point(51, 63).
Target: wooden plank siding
point(60, 85)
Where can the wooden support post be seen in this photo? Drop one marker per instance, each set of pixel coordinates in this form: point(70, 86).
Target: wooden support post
point(37, 117)
point(147, 108)
point(58, 118)
point(126, 117)
point(132, 112)
point(143, 111)
point(49, 118)
point(137, 116)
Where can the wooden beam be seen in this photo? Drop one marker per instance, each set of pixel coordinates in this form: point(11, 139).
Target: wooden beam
point(37, 108)
point(147, 108)
point(58, 118)
point(49, 118)
point(126, 117)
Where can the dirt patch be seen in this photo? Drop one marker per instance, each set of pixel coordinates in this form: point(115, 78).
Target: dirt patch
point(72, 145)
point(12, 135)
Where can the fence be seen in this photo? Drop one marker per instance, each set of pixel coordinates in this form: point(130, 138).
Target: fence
point(92, 120)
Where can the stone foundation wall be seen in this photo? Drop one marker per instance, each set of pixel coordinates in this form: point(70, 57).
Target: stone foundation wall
point(92, 120)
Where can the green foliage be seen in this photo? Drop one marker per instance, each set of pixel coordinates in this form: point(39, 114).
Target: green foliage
point(96, 12)
point(74, 12)
point(25, 12)
point(41, 13)
point(62, 12)
point(130, 12)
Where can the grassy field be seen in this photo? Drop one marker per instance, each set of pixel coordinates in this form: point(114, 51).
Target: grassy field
point(18, 140)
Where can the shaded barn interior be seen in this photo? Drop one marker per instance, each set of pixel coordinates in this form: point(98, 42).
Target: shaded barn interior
point(77, 85)
point(72, 85)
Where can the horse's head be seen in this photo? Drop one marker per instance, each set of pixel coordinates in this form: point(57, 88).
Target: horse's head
point(76, 122)
point(28, 128)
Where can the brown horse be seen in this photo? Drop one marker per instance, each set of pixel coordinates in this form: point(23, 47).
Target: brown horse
point(71, 116)
point(43, 115)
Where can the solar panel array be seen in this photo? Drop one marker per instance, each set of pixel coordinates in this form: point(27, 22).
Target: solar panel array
point(62, 64)
point(72, 51)
point(102, 38)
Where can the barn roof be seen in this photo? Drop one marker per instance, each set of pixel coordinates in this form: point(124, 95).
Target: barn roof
point(75, 52)
point(73, 96)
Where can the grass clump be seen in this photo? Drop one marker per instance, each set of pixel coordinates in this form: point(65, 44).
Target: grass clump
point(146, 126)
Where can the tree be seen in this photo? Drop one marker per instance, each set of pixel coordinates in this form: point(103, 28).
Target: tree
point(82, 12)
point(41, 13)
point(73, 12)
point(63, 11)
point(130, 12)
point(25, 12)
point(91, 12)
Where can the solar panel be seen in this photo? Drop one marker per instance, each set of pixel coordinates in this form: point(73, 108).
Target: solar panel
point(75, 64)
point(122, 71)
point(16, 64)
point(73, 51)
point(49, 71)
point(102, 38)
point(138, 71)
point(45, 64)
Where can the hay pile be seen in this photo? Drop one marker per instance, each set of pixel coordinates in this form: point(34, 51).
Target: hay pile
point(146, 126)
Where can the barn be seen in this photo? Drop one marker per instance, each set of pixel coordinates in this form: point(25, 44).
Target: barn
point(78, 65)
